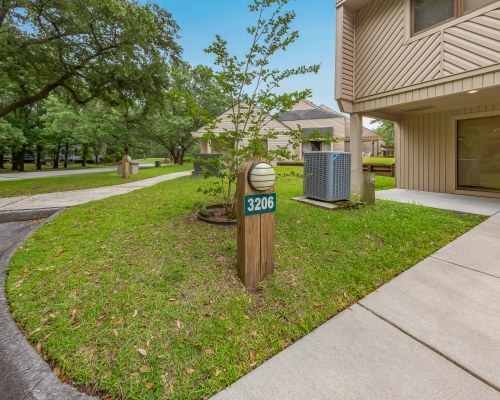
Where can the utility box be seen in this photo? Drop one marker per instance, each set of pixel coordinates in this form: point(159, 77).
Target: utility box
point(327, 175)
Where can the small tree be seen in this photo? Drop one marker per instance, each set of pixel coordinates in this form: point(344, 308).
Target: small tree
point(252, 84)
point(193, 95)
point(59, 128)
point(385, 130)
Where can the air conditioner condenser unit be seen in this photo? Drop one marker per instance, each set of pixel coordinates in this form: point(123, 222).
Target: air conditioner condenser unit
point(327, 175)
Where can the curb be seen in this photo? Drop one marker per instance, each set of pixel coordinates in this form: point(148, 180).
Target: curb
point(23, 372)
point(27, 215)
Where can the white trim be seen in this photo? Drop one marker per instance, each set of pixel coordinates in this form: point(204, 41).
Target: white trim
point(454, 120)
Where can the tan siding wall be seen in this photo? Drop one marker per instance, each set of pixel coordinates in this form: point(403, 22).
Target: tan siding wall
point(387, 61)
point(426, 150)
point(345, 54)
point(473, 44)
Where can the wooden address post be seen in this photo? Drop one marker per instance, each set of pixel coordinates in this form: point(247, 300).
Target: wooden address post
point(256, 206)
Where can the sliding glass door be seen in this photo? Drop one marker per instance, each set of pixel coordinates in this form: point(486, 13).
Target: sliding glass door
point(478, 151)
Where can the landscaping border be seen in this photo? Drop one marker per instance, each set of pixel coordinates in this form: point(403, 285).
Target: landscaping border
point(23, 372)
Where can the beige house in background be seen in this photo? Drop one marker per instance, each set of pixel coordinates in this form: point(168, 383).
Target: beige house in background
point(310, 117)
point(433, 67)
point(269, 125)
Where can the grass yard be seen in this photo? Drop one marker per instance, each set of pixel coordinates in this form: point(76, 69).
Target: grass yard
point(134, 297)
point(27, 187)
point(31, 167)
point(379, 160)
point(384, 182)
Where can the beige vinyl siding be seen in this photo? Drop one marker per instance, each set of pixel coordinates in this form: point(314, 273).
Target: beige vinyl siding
point(383, 60)
point(392, 68)
point(344, 85)
point(426, 149)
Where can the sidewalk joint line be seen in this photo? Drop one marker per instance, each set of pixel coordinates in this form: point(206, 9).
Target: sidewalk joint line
point(463, 266)
point(432, 348)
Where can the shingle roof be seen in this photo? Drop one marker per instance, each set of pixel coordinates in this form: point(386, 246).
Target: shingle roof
point(300, 115)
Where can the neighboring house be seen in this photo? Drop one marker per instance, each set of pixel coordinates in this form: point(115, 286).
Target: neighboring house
point(433, 67)
point(270, 125)
point(310, 117)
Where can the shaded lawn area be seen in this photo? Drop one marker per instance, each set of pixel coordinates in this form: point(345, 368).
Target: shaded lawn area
point(31, 167)
point(27, 187)
point(379, 160)
point(133, 296)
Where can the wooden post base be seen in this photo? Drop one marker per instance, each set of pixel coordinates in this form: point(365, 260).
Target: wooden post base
point(255, 234)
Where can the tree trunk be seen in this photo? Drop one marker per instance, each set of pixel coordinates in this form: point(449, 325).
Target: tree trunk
point(14, 161)
point(66, 151)
point(55, 164)
point(38, 157)
point(180, 157)
point(1, 158)
point(174, 156)
point(96, 155)
point(85, 150)
point(20, 160)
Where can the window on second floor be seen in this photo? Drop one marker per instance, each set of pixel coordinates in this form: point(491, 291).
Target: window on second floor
point(429, 13)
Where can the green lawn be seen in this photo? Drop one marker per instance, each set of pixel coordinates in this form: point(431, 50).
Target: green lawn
point(26, 187)
point(132, 295)
point(31, 167)
point(378, 160)
point(149, 160)
point(384, 182)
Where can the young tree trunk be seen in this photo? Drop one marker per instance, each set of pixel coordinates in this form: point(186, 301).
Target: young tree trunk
point(85, 150)
point(14, 161)
point(96, 155)
point(1, 158)
point(55, 164)
point(66, 151)
point(38, 157)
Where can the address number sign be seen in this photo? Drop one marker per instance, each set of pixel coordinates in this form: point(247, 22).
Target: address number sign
point(260, 203)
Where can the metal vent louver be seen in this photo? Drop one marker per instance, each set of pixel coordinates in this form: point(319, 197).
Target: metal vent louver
point(327, 175)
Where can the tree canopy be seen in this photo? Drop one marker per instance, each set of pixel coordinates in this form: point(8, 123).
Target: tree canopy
point(385, 130)
point(89, 48)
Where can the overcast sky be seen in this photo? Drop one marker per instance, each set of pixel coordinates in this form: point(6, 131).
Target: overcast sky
point(201, 20)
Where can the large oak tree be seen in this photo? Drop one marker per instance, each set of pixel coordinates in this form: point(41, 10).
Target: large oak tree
point(89, 48)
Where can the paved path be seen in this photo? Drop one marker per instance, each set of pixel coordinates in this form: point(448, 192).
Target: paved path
point(431, 333)
point(23, 373)
point(76, 197)
point(468, 204)
point(47, 174)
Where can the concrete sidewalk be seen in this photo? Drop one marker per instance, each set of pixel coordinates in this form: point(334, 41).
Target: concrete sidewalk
point(76, 197)
point(453, 202)
point(431, 333)
point(49, 174)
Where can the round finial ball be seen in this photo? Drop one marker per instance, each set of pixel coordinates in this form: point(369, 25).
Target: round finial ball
point(261, 176)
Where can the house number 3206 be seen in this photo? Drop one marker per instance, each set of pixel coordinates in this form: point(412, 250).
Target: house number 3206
point(260, 203)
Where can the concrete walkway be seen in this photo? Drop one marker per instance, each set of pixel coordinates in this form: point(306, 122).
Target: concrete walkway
point(76, 197)
point(454, 202)
point(431, 333)
point(48, 174)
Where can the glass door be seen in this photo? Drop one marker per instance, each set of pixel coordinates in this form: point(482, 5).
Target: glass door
point(478, 151)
